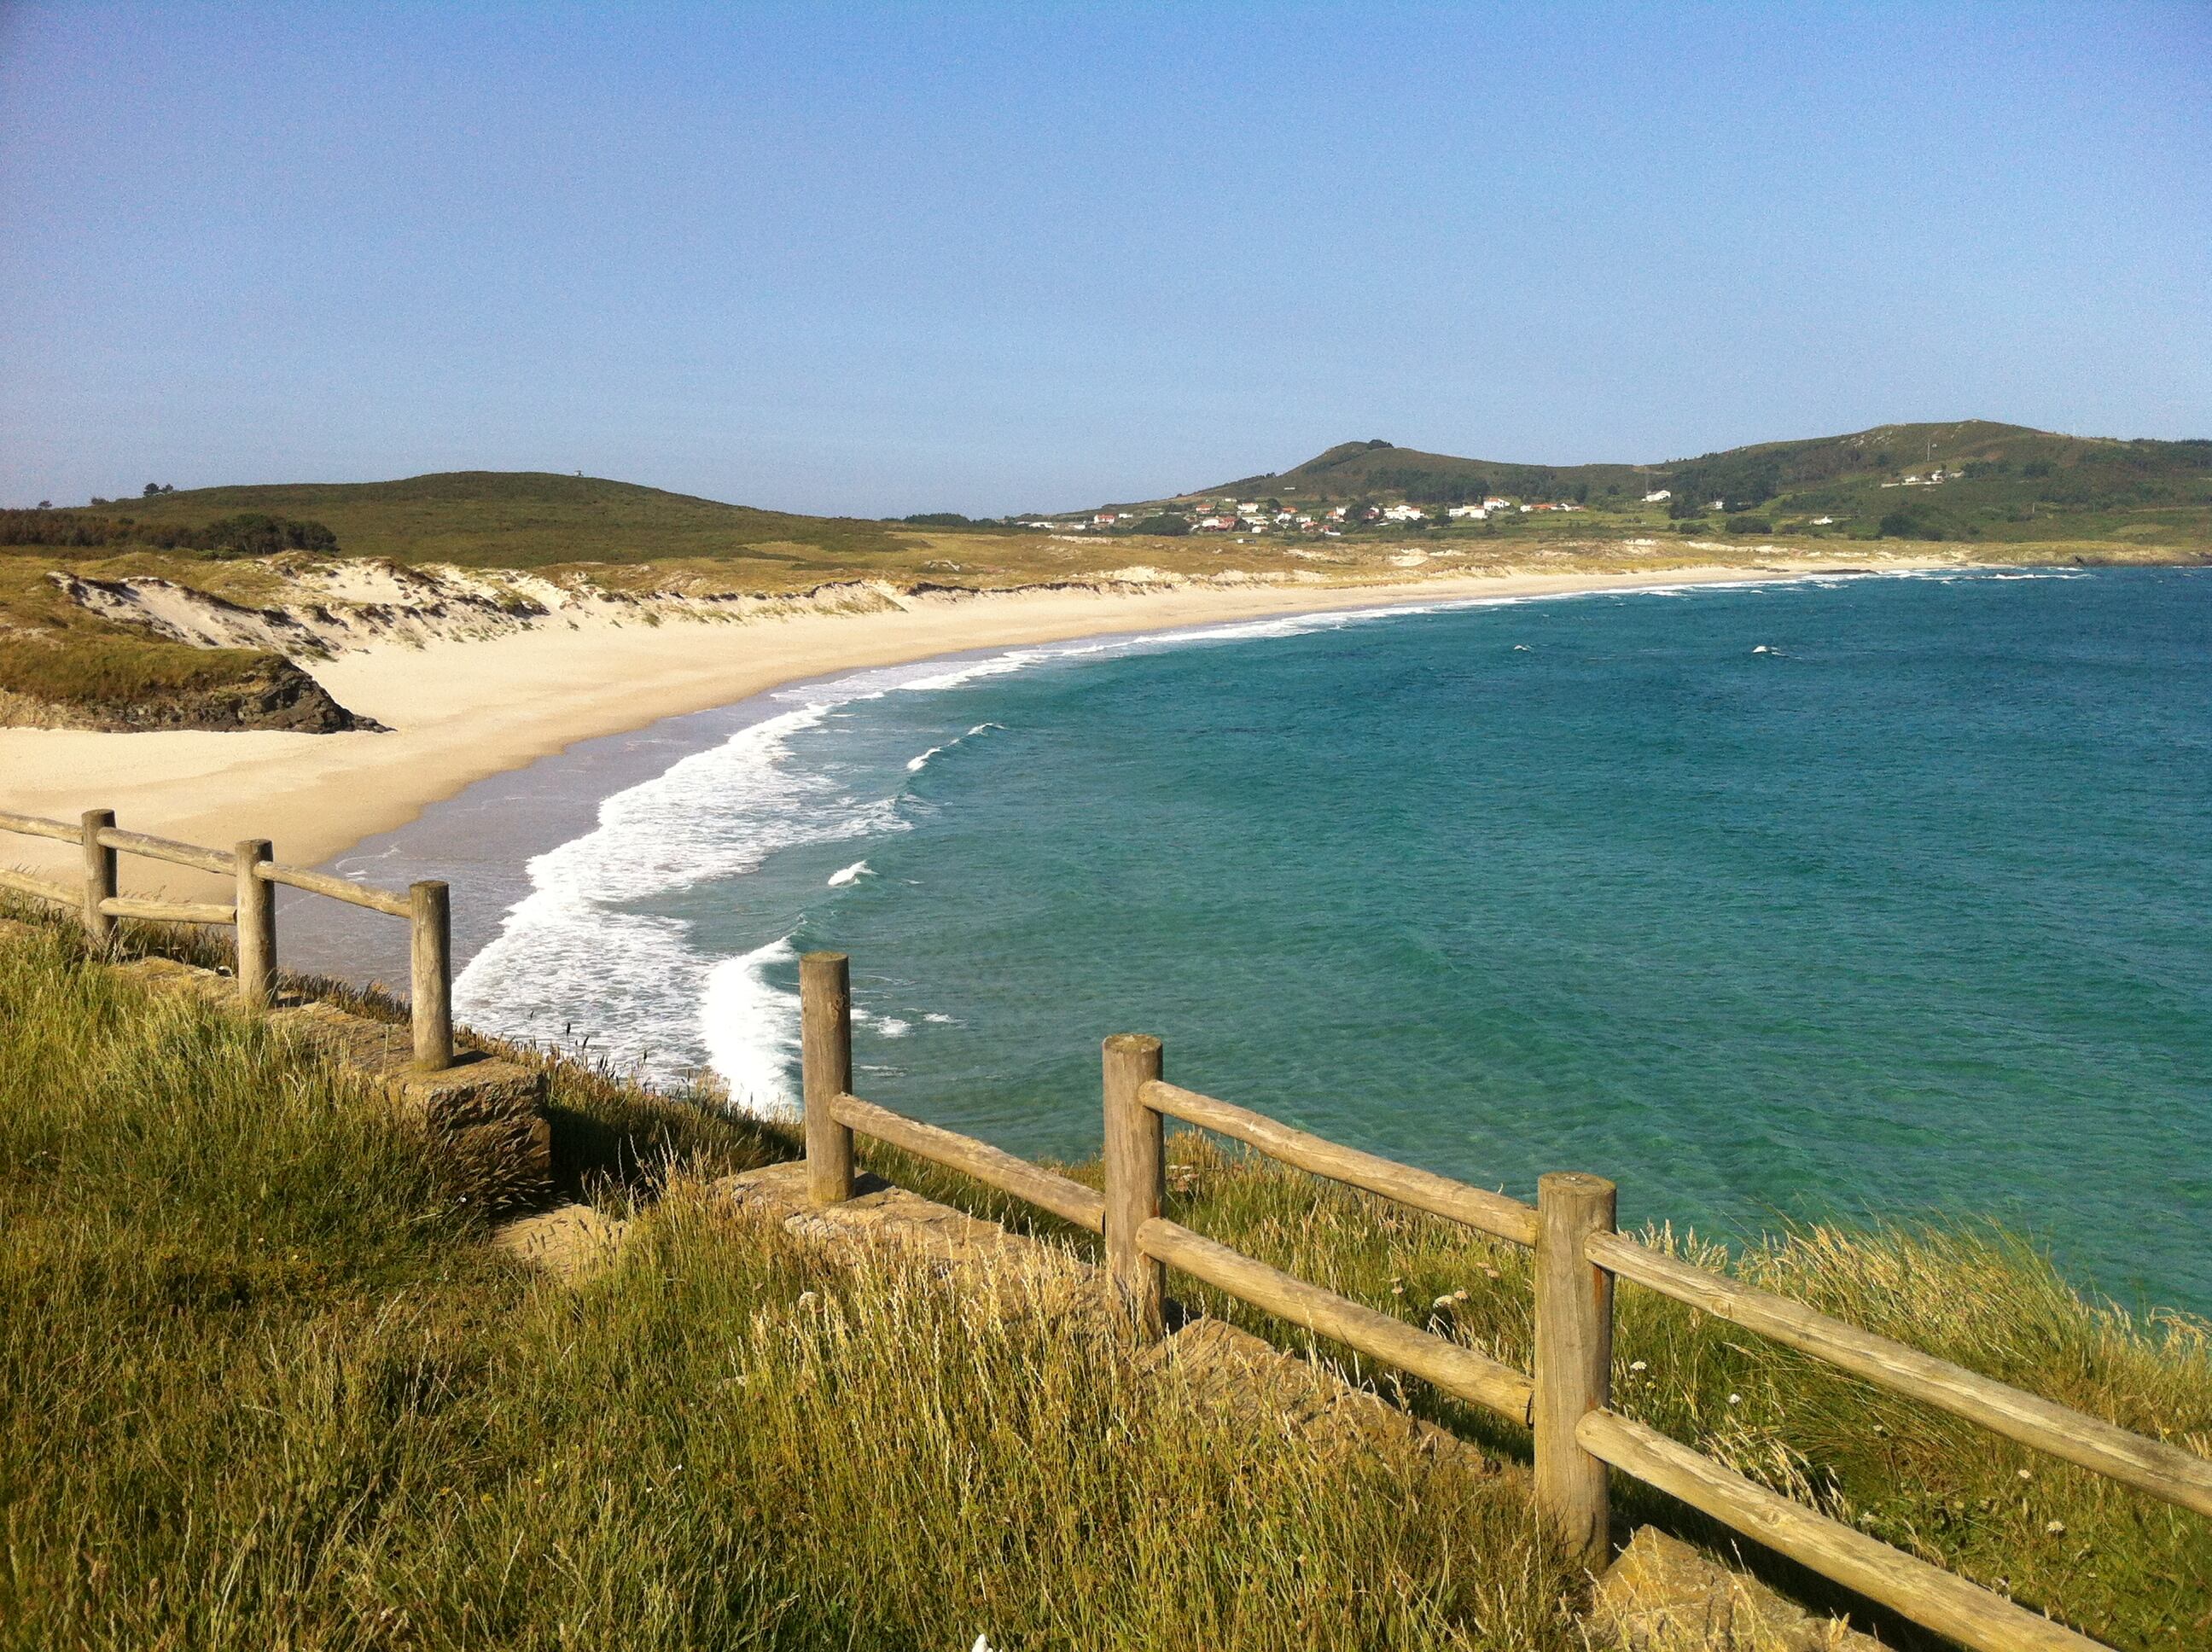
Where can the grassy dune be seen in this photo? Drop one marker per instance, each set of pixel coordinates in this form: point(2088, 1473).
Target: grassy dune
point(262, 1383)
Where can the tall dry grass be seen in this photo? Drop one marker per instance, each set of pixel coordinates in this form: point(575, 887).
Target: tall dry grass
point(2124, 1567)
point(262, 1384)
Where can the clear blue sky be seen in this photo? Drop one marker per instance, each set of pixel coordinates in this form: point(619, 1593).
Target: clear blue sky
point(978, 258)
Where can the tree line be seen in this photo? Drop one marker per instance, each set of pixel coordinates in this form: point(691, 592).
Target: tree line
point(250, 533)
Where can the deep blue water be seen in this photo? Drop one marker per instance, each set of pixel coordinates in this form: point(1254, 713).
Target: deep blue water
point(1907, 916)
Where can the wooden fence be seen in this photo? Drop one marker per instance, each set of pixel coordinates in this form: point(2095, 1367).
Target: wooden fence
point(253, 911)
point(1566, 1402)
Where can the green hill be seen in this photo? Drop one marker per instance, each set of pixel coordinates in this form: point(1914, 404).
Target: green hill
point(1375, 469)
point(513, 519)
point(1973, 479)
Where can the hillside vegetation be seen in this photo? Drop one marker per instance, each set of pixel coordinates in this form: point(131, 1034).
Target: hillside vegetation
point(515, 519)
point(261, 1382)
point(1970, 480)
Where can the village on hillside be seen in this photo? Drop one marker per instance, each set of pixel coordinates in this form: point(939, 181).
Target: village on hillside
point(1270, 516)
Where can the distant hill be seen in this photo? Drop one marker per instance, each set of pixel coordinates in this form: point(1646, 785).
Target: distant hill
point(516, 519)
point(1377, 471)
point(1970, 479)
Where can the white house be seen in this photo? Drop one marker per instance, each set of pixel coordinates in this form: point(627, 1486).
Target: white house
point(1494, 503)
point(1404, 513)
point(1463, 512)
point(1658, 494)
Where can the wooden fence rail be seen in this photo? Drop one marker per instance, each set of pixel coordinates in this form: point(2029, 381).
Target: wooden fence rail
point(252, 912)
point(1566, 1402)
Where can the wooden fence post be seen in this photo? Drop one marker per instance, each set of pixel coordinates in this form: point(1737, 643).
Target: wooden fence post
point(1136, 1177)
point(99, 877)
point(1574, 1360)
point(431, 1007)
point(257, 925)
point(825, 1069)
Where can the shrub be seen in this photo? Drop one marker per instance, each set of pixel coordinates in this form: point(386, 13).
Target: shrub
point(251, 533)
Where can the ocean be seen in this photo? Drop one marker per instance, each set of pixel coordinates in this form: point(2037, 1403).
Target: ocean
point(1859, 898)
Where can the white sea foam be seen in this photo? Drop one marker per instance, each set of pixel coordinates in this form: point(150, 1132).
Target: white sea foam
point(750, 1028)
point(890, 1026)
point(568, 953)
point(915, 765)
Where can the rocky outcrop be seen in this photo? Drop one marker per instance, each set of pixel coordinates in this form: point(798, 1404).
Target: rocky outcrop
point(270, 694)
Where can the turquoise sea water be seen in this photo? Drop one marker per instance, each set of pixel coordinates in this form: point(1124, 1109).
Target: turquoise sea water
point(1906, 915)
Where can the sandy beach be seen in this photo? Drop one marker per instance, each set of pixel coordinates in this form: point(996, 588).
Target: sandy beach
point(460, 711)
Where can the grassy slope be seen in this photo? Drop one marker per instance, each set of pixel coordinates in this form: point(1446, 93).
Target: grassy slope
point(260, 1384)
point(2126, 1569)
point(54, 651)
point(50, 649)
point(527, 518)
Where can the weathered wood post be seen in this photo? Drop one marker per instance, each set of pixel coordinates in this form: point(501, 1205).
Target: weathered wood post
point(432, 956)
point(825, 1068)
point(257, 924)
point(99, 877)
point(1574, 1359)
point(1136, 1177)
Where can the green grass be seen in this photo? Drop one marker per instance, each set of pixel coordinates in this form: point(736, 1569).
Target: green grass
point(2126, 1568)
point(524, 519)
point(263, 1384)
point(96, 671)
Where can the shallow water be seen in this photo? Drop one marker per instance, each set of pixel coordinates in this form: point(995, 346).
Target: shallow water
point(1906, 914)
